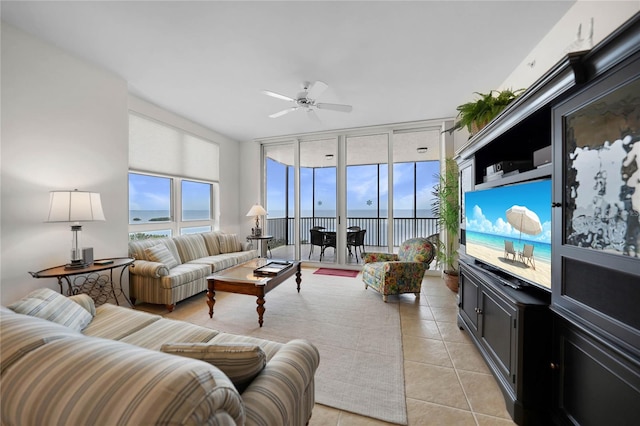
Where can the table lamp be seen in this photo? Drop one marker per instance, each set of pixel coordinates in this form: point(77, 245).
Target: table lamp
point(257, 210)
point(75, 206)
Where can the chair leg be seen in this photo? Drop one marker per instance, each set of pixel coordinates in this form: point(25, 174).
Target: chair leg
point(417, 294)
point(384, 298)
point(310, 251)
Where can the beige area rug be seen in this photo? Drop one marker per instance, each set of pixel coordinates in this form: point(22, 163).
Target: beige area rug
point(358, 335)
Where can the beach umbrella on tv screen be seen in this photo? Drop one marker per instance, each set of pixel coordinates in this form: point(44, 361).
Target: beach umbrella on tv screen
point(524, 220)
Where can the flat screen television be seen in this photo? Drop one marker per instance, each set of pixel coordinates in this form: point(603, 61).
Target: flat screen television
point(509, 228)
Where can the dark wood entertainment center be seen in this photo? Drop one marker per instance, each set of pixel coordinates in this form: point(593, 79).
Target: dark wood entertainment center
point(570, 355)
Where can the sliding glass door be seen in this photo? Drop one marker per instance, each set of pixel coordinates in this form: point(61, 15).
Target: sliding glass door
point(367, 194)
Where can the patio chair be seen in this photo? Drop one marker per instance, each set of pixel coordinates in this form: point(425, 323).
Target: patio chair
point(317, 238)
point(435, 240)
point(356, 240)
point(390, 273)
point(509, 250)
point(329, 241)
point(526, 255)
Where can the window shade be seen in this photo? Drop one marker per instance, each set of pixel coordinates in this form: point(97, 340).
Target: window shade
point(160, 148)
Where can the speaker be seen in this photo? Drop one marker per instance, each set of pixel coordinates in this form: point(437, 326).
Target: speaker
point(87, 255)
point(542, 156)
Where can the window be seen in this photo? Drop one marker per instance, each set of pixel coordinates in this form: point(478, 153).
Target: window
point(178, 191)
point(196, 201)
point(153, 200)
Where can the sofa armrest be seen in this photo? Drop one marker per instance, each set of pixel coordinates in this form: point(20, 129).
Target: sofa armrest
point(273, 398)
point(379, 257)
point(150, 269)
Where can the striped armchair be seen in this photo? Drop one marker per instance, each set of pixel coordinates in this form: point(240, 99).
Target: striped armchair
point(390, 273)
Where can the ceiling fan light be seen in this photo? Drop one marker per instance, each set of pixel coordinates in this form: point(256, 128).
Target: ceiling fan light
point(422, 150)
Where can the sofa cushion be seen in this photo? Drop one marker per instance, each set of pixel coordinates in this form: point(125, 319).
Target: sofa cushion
point(241, 362)
point(165, 330)
point(47, 304)
point(229, 243)
point(212, 243)
point(136, 248)
point(23, 333)
point(116, 322)
point(161, 254)
point(85, 301)
point(190, 247)
point(87, 381)
point(185, 274)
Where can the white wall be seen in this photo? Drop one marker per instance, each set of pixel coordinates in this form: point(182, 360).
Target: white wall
point(231, 210)
point(64, 126)
point(607, 17)
point(250, 183)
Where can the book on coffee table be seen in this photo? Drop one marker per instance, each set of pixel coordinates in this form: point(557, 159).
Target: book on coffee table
point(272, 269)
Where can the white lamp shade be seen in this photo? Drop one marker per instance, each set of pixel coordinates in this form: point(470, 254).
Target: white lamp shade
point(74, 206)
point(257, 210)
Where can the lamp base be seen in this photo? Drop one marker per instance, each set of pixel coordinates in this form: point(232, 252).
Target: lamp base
point(76, 264)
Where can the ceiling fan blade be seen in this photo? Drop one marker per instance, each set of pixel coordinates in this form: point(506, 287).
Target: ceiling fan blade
point(313, 116)
point(316, 89)
point(278, 95)
point(335, 107)
point(283, 112)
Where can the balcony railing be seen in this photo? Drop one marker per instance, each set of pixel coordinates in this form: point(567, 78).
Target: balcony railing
point(403, 228)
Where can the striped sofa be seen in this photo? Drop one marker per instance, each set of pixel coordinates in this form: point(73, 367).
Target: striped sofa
point(64, 361)
point(168, 270)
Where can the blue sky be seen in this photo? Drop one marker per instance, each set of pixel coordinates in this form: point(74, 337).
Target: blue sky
point(486, 209)
point(154, 193)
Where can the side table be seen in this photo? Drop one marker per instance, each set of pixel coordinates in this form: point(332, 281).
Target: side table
point(264, 242)
point(96, 280)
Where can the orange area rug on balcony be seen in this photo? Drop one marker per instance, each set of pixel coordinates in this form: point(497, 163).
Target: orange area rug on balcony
point(336, 272)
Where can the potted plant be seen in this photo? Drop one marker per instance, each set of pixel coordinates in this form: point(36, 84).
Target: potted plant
point(477, 114)
point(447, 209)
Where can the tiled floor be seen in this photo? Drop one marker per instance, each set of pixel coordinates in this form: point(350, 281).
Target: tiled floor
point(446, 380)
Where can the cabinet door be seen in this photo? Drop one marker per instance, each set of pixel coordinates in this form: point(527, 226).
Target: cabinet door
point(596, 235)
point(469, 300)
point(593, 384)
point(498, 333)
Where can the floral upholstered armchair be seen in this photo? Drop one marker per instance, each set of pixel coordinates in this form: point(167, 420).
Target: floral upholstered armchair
point(390, 273)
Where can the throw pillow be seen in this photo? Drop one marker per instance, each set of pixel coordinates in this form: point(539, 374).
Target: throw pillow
point(240, 362)
point(86, 302)
point(229, 243)
point(53, 306)
point(159, 253)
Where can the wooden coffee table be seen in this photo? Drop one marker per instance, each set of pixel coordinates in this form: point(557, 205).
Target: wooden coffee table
point(240, 279)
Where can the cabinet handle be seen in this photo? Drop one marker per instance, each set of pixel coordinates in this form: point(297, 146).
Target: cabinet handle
point(556, 204)
point(554, 366)
point(478, 311)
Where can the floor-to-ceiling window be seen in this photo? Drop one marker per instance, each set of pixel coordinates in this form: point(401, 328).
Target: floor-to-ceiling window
point(346, 184)
point(415, 168)
point(318, 207)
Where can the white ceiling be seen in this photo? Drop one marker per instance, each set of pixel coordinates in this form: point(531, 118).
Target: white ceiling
point(208, 60)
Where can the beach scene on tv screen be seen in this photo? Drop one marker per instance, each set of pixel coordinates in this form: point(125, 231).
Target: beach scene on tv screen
point(509, 227)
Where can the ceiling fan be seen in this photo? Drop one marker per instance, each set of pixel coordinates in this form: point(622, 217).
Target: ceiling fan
point(306, 100)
